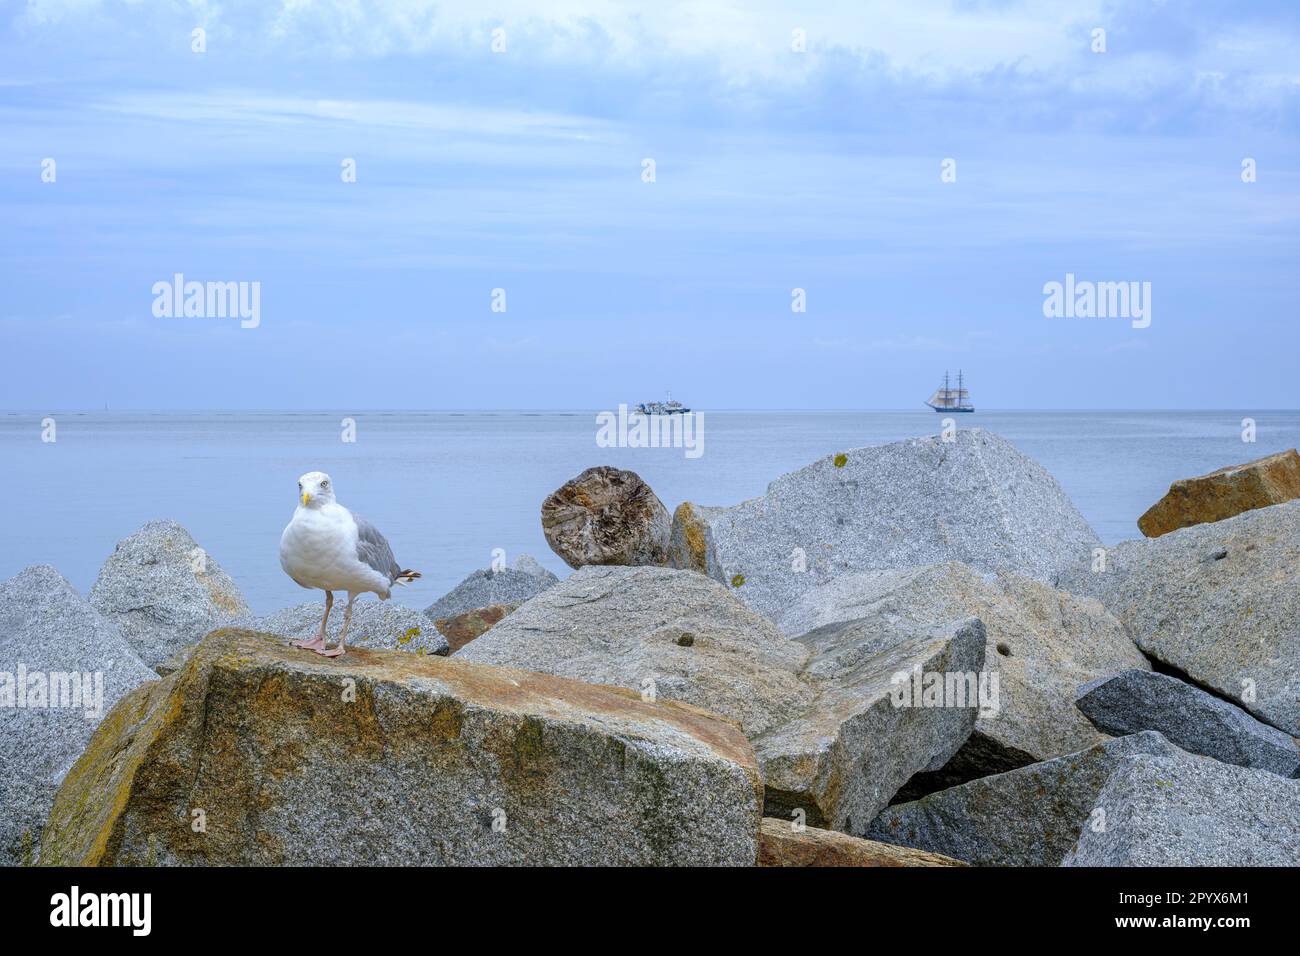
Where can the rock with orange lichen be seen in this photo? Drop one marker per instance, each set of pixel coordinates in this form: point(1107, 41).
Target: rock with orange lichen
point(1221, 494)
point(256, 753)
point(783, 843)
point(690, 541)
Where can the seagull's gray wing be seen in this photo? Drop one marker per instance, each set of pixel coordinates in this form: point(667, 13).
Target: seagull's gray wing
point(373, 549)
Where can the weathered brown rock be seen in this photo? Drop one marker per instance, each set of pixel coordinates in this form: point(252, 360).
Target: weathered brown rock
point(255, 753)
point(606, 516)
point(1224, 493)
point(463, 628)
point(781, 844)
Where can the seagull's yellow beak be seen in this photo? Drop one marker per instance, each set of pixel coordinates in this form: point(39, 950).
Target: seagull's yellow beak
point(305, 498)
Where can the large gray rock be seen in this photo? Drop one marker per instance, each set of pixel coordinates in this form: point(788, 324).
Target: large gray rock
point(48, 629)
point(825, 730)
point(164, 592)
point(374, 624)
point(1025, 817)
point(485, 587)
point(606, 516)
point(1216, 602)
point(1041, 643)
point(844, 758)
point(380, 757)
point(1198, 722)
point(675, 634)
point(976, 500)
point(1189, 811)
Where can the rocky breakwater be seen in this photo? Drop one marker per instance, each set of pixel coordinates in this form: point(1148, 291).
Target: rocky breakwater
point(907, 655)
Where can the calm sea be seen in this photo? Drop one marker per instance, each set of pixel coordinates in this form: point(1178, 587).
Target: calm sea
point(449, 487)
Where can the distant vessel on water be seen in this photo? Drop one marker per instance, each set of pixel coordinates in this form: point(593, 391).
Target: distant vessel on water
point(951, 399)
point(669, 407)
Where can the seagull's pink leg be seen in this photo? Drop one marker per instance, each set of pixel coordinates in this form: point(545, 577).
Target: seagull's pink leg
point(318, 641)
point(341, 648)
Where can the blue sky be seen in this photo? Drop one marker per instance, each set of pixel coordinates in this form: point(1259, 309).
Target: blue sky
point(521, 170)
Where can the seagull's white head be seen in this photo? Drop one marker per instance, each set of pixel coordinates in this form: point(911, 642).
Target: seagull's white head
point(315, 489)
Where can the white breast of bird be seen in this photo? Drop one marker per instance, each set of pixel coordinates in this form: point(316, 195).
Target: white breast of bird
point(319, 550)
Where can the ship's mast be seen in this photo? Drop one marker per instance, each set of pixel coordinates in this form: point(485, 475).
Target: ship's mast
point(958, 388)
point(947, 394)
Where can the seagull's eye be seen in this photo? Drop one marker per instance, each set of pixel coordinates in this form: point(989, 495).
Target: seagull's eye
point(324, 484)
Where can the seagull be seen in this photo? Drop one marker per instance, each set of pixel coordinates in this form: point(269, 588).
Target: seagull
point(327, 546)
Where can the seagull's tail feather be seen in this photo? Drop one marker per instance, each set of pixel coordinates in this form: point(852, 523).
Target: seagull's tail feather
point(406, 577)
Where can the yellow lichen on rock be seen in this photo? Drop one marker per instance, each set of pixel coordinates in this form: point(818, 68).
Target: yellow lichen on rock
point(386, 757)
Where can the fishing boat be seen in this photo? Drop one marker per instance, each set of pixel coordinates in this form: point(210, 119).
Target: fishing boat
point(951, 399)
point(669, 407)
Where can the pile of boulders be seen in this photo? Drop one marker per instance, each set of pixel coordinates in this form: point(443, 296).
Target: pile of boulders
point(911, 655)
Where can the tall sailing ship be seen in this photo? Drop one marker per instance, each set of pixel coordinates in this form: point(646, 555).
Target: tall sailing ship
point(951, 399)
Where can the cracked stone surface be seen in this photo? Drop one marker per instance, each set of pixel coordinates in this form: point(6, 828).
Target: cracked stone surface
point(1030, 816)
point(1216, 602)
point(1198, 722)
point(1180, 810)
point(1041, 642)
point(820, 713)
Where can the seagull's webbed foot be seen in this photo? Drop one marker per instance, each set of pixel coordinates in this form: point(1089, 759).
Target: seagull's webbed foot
point(337, 651)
